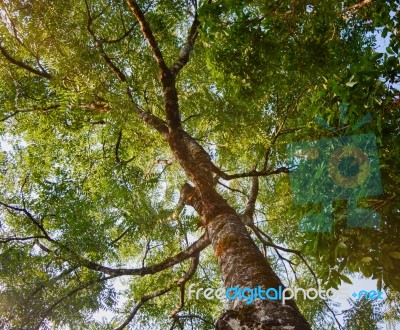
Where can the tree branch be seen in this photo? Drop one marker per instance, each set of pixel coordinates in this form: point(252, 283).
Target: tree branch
point(69, 294)
point(167, 78)
point(251, 203)
point(127, 31)
point(23, 65)
point(233, 189)
point(150, 119)
point(30, 216)
point(278, 129)
point(51, 107)
point(142, 301)
point(252, 173)
point(99, 45)
point(194, 316)
point(116, 240)
point(53, 279)
point(180, 283)
point(19, 239)
point(188, 195)
point(43, 247)
point(357, 6)
point(191, 251)
point(117, 159)
point(270, 243)
point(277, 133)
point(148, 34)
point(114, 41)
point(187, 48)
point(148, 248)
point(297, 253)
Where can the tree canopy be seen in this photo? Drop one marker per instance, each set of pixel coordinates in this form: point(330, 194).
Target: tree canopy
point(95, 98)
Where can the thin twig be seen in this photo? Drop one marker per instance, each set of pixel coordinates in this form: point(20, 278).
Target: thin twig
point(99, 45)
point(30, 216)
point(142, 301)
point(69, 294)
point(181, 283)
point(51, 107)
point(158, 293)
point(232, 189)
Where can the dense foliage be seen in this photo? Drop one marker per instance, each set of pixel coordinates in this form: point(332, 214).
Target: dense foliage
point(84, 179)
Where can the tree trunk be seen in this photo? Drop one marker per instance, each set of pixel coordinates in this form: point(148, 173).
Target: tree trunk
point(243, 265)
point(241, 262)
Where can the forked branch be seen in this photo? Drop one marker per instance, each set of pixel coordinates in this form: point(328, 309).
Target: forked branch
point(141, 302)
point(71, 255)
point(30, 217)
point(181, 282)
point(99, 45)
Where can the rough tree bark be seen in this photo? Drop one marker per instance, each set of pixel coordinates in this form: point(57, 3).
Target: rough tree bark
point(242, 264)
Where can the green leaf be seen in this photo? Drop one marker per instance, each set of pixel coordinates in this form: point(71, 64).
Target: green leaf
point(389, 50)
point(345, 279)
point(395, 255)
point(366, 260)
point(351, 83)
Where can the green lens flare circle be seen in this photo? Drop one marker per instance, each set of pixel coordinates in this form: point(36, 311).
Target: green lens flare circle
point(359, 158)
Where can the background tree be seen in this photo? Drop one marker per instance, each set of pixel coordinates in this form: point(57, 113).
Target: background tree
point(140, 132)
point(362, 315)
